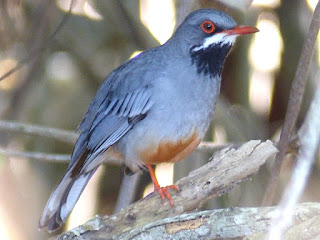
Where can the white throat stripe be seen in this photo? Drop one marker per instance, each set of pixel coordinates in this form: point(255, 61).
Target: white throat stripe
point(221, 38)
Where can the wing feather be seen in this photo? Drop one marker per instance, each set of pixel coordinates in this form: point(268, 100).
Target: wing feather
point(130, 104)
point(112, 121)
point(139, 104)
point(109, 107)
point(124, 104)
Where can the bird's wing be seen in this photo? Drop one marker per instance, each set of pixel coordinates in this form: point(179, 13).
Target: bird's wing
point(122, 100)
point(115, 119)
point(110, 116)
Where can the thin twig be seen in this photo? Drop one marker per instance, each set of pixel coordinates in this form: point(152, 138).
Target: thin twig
point(49, 157)
point(294, 105)
point(36, 52)
point(46, 157)
point(35, 130)
point(309, 136)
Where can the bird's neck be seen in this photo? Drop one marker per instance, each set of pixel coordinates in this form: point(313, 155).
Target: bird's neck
point(210, 61)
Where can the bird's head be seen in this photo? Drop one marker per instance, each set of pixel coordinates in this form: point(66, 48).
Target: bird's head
point(208, 35)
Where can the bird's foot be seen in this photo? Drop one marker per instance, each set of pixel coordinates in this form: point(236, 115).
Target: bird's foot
point(163, 192)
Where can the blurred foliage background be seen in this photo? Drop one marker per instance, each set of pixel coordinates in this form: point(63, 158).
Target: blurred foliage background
point(62, 70)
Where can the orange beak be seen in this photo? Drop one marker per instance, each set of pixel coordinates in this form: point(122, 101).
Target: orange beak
point(241, 30)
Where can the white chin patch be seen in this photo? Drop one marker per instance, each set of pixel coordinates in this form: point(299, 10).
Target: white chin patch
point(220, 38)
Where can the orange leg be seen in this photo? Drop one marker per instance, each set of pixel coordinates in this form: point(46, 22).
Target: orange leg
point(163, 191)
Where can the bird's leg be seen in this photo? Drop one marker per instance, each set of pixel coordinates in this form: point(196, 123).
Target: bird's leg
point(163, 191)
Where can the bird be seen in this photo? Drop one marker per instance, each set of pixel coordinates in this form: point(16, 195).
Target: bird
point(154, 108)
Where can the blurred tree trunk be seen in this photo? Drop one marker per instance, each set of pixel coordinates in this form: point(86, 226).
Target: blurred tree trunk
point(293, 38)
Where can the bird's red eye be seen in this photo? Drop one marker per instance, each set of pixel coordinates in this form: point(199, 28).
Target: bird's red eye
point(208, 27)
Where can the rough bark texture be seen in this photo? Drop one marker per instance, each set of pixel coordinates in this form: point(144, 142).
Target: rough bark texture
point(226, 169)
point(231, 223)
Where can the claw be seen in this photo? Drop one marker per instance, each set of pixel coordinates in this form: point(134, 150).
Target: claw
point(162, 191)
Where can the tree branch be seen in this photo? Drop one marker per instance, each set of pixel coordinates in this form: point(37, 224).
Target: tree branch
point(226, 169)
point(45, 157)
point(309, 136)
point(228, 223)
point(36, 130)
point(52, 158)
point(294, 105)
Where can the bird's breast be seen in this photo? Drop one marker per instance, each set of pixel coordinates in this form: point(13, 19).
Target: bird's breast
point(174, 126)
point(187, 102)
point(168, 150)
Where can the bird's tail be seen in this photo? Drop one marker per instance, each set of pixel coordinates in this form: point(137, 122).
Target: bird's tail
point(63, 199)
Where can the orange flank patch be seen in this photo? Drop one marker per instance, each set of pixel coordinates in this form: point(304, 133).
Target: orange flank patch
point(170, 151)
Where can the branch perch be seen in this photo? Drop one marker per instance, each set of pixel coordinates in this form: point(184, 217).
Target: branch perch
point(227, 168)
point(229, 223)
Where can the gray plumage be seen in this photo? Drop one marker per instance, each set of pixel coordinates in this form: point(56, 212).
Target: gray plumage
point(164, 94)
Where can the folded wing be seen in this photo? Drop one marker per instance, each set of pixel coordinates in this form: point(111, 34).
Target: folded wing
point(109, 117)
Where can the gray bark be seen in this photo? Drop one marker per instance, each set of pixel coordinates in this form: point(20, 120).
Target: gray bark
point(227, 168)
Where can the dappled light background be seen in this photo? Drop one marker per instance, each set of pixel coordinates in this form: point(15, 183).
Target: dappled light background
point(61, 73)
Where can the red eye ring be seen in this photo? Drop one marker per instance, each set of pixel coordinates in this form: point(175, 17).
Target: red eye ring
point(208, 27)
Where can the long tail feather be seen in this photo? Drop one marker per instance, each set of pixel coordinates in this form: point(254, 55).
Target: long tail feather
point(63, 199)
